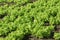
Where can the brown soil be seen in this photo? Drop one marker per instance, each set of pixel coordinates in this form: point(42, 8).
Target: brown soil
point(57, 28)
point(30, 37)
point(34, 38)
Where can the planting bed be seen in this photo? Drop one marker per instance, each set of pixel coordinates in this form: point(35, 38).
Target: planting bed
point(29, 19)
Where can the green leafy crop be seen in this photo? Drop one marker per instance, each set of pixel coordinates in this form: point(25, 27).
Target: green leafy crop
point(22, 17)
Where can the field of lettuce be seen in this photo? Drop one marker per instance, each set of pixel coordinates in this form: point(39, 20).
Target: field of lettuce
point(29, 19)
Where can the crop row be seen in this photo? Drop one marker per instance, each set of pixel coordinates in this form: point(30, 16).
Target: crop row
point(18, 20)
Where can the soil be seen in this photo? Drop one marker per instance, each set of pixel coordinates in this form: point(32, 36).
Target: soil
point(57, 28)
point(29, 37)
